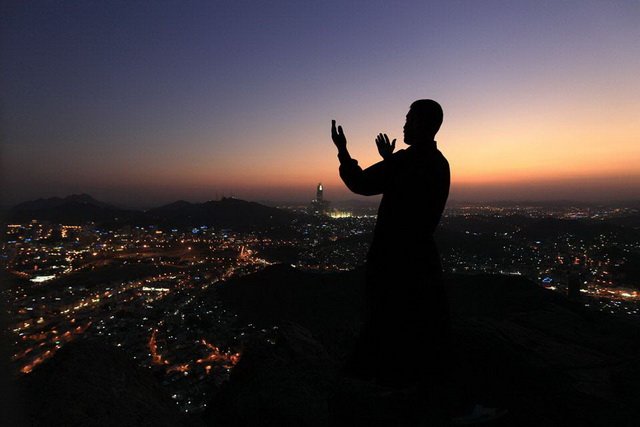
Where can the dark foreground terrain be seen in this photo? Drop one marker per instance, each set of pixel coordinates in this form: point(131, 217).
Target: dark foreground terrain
point(547, 360)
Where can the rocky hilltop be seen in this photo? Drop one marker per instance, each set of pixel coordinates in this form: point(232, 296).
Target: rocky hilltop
point(91, 384)
point(547, 360)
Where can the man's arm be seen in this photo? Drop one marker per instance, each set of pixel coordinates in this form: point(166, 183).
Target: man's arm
point(366, 182)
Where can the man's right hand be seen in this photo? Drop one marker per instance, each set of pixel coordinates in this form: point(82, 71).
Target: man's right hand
point(338, 137)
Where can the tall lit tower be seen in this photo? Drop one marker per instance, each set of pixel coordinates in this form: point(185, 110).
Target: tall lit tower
point(318, 205)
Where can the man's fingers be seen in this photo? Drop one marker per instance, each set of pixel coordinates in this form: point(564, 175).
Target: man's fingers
point(340, 131)
point(393, 145)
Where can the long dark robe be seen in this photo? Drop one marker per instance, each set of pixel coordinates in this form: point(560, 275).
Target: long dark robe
point(405, 336)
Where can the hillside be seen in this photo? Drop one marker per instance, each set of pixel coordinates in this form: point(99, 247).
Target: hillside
point(90, 384)
point(225, 213)
point(547, 360)
point(74, 209)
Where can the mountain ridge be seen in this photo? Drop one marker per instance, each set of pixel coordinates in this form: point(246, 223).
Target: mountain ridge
point(82, 209)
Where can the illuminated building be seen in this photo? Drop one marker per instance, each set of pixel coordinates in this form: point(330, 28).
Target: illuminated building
point(319, 206)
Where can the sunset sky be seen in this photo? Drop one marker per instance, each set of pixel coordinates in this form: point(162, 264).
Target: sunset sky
point(142, 103)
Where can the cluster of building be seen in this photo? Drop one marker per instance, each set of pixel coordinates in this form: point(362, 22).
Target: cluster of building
point(586, 263)
point(138, 288)
point(147, 289)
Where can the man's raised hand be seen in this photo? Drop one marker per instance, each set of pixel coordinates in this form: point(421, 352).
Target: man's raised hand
point(385, 148)
point(338, 137)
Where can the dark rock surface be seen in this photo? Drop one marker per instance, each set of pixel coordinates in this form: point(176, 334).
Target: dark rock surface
point(547, 360)
point(285, 384)
point(329, 305)
point(90, 384)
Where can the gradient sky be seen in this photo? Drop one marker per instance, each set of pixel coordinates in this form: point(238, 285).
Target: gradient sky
point(143, 103)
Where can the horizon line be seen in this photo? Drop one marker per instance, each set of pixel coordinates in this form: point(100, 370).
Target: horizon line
point(373, 200)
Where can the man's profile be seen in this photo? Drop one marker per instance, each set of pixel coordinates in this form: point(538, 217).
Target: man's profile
point(404, 340)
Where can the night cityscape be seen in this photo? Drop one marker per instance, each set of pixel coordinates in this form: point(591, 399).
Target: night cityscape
point(313, 214)
point(151, 290)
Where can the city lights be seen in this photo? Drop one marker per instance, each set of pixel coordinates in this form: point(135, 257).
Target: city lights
point(146, 290)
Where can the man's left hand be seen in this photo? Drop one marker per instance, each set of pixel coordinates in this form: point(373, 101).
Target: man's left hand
point(385, 148)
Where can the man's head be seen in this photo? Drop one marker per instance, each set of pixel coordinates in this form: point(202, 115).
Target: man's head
point(423, 121)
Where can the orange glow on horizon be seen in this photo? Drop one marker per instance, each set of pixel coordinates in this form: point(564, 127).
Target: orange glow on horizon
point(534, 149)
point(489, 150)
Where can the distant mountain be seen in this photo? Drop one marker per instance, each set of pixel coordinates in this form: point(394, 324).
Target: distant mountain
point(228, 212)
point(74, 209)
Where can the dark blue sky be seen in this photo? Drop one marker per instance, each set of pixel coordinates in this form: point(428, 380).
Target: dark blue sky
point(145, 102)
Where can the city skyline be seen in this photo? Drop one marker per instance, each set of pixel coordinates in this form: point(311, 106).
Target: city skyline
point(348, 202)
point(147, 104)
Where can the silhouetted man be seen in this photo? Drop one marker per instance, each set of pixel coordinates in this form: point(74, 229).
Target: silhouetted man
point(407, 307)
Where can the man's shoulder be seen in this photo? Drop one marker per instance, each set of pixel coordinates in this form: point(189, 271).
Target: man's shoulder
point(442, 164)
point(421, 155)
